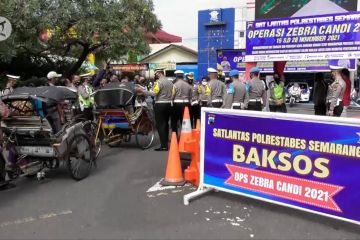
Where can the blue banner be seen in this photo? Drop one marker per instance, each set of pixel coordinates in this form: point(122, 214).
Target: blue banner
point(333, 36)
point(307, 164)
point(229, 59)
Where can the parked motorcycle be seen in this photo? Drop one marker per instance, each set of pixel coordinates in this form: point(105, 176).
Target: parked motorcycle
point(294, 94)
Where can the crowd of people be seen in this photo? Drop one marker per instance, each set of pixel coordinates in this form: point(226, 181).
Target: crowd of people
point(169, 98)
point(330, 98)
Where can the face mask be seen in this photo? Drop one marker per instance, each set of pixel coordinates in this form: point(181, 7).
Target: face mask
point(190, 81)
point(204, 83)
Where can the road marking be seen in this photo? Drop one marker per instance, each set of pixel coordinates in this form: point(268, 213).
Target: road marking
point(158, 187)
point(33, 219)
point(160, 194)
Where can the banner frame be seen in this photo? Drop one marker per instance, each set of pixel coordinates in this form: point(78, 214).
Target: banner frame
point(205, 188)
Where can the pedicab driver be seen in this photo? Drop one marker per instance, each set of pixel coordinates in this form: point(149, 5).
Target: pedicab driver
point(335, 94)
point(257, 91)
point(163, 90)
point(217, 88)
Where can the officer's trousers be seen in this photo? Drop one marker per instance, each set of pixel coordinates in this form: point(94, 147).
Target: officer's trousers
point(255, 106)
point(178, 114)
point(88, 113)
point(162, 116)
point(216, 104)
point(337, 110)
point(320, 109)
point(278, 108)
point(194, 114)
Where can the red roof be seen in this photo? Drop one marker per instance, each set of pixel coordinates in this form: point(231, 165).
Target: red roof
point(162, 37)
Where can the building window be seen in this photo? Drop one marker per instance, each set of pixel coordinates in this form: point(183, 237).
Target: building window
point(242, 34)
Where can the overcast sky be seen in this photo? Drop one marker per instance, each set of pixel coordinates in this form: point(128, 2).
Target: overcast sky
point(179, 17)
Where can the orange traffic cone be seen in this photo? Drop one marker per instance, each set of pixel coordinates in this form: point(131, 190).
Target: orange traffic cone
point(173, 175)
point(185, 130)
point(198, 124)
point(192, 173)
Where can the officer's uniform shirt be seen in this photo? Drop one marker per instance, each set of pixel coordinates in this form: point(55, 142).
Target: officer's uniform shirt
point(228, 96)
point(217, 90)
point(257, 90)
point(182, 91)
point(163, 89)
point(241, 96)
point(335, 93)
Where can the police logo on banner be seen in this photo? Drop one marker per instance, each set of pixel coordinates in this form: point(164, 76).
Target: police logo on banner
point(211, 119)
point(5, 29)
point(214, 16)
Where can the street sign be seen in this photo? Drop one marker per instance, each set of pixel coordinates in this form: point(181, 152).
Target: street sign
point(167, 66)
point(129, 67)
point(310, 163)
point(5, 29)
point(228, 59)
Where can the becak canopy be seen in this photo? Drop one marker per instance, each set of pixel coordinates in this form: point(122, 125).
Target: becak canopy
point(115, 95)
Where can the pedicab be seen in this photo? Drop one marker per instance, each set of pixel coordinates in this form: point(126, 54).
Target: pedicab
point(40, 135)
point(117, 120)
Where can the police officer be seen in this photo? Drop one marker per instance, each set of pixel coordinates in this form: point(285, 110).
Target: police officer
point(257, 91)
point(86, 99)
point(217, 89)
point(182, 93)
point(204, 92)
point(277, 95)
point(335, 93)
point(240, 96)
point(229, 93)
point(163, 90)
point(195, 104)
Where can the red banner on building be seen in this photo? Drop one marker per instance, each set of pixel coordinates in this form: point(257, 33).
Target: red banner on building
point(297, 189)
point(129, 67)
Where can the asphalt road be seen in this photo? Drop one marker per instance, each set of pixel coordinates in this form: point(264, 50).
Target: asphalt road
point(113, 203)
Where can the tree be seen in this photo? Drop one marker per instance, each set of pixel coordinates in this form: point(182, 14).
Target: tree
point(58, 33)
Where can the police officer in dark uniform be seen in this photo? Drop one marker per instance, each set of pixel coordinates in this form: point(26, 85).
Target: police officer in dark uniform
point(257, 91)
point(163, 90)
point(335, 93)
point(182, 96)
point(217, 88)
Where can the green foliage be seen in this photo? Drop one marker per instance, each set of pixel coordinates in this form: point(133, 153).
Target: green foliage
point(120, 26)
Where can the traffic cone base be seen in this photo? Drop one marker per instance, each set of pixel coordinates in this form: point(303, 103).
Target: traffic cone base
point(173, 175)
point(172, 183)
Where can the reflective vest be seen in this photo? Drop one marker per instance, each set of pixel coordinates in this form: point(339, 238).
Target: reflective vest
point(89, 101)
